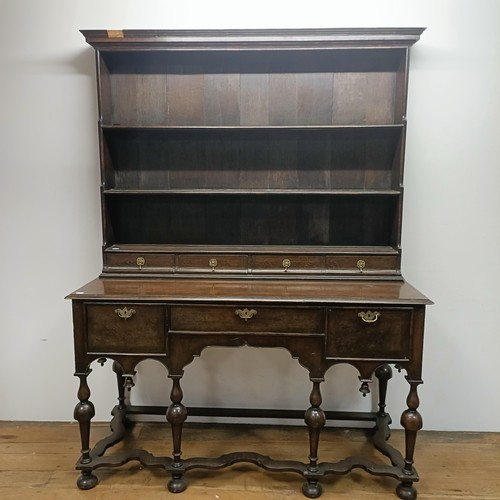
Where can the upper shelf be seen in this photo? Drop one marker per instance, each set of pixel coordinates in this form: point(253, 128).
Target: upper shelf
point(282, 39)
point(263, 128)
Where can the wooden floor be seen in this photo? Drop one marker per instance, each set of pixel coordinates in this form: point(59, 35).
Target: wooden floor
point(37, 461)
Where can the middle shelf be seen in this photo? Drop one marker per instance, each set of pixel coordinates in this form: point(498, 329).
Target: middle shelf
point(325, 159)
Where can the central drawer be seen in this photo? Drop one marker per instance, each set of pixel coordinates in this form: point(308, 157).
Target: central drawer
point(208, 263)
point(247, 319)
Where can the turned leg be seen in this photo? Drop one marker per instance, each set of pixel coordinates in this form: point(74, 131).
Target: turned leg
point(84, 412)
point(176, 415)
point(411, 421)
point(383, 374)
point(120, 383)
point(315, 420)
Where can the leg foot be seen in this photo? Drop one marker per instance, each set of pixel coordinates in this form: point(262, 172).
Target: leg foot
point(312, 489)
point(406, 491)
point(177, 484)
point(87, 481)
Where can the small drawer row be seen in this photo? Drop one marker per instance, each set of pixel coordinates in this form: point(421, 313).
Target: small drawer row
point(147, 263)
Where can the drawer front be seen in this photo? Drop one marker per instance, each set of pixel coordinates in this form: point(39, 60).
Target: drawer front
point(369, 333)
point(287, 263)
point(247, 319)
point(140, 262)
point(125, 328)
point(363, 264)
point(212, 263)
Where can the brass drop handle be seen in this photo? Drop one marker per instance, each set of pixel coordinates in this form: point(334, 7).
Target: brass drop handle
point(369, 316)
point(286, 264)
point(125, 313)
point(213, 264)
point(140, 262)
point(245, 314)
point(361, 264)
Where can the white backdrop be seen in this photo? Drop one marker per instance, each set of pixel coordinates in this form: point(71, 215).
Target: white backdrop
point(50, 218)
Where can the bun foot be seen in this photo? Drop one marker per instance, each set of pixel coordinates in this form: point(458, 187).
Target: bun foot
point(177, 484)
point(87, 481)
point(312, 489)
point(406, 491)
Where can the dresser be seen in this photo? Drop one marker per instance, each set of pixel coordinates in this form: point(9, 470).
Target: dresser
point(252, 194)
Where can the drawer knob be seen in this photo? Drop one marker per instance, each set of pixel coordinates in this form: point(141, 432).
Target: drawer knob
point(286, 264)
point(369, 316)
point(245, 314)
point(361, 264)
point(125, 313)
point(140, 262)
point(213, 264)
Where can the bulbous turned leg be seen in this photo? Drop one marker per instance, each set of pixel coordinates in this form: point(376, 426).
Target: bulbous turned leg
point(83, 414)
point(315, 420)
point(176, 415)
point(383, 374)
point(120, 384)
point(411, 420)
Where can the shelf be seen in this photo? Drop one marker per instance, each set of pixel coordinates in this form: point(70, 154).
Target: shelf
point(257, 192)
point(297, 88)
point(254, 249)
point(237, 128)
point(204, 219)
point(261, 158)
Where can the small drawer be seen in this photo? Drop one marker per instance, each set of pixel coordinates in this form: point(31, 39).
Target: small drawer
point(139, 262)
point(369, 333)
point(288, 263)
point(363, 264)
point(247, 319)
point(212, 263)
point(125, 328)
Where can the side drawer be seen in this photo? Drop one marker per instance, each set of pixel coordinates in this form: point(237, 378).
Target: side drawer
point(247, 319)
point(369, 333)
point(126, 328)
point(139, 262)
point(363, 264)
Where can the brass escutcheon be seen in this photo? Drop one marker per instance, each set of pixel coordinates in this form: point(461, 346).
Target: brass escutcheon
point(245, 314)
point(369, 316)
point(213, 263)
point(361, 264)
point(286, 264)
point(125, 313)
point(140, 262)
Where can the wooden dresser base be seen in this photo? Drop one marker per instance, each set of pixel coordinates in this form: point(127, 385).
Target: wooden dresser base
point(369, 325)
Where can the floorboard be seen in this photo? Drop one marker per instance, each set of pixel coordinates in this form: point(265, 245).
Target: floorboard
point(37, 461)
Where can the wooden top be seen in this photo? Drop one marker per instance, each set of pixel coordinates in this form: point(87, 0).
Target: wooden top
point(252, 39)
point(251, 291)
